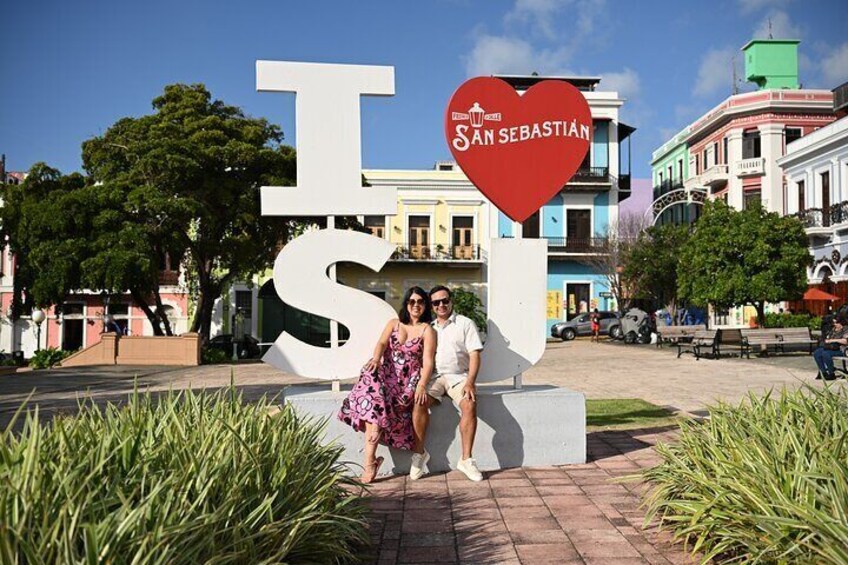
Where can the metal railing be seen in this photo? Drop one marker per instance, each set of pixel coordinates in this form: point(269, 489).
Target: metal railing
point(818, 218)
point(591, 174)
point(810, 218)
point(408, 252)
point(577, 244)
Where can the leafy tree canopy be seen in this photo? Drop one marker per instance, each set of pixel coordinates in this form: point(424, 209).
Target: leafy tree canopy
point(189, 176)
point(744, 257)
point(651, 264)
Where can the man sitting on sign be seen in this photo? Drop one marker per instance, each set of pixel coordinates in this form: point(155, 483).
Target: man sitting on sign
point(458, 350)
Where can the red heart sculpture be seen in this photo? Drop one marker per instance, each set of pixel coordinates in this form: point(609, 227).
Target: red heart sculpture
point(518, 150)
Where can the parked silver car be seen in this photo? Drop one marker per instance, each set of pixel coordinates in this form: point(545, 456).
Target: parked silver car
point(580, 325)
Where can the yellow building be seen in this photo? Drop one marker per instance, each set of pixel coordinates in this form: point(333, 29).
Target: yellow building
point(441, 232)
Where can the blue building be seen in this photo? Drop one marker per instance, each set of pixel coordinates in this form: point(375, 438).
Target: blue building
point(575, 221)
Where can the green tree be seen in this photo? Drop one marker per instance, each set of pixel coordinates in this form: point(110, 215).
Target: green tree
point(469, 305)
point(749, 257)
point(190, 176)
point(68, 233)
point(650, 267)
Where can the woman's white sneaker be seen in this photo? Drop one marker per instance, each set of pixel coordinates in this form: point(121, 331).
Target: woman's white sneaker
point(419, 460)
point(469, 467)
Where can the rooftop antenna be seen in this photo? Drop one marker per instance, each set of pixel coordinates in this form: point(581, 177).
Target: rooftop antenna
point(770, 35)
point(735, 89)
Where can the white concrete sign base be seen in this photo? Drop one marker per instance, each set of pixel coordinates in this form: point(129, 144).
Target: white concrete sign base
point(535, 426)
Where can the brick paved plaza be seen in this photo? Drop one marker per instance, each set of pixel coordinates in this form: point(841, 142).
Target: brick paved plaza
point(573, 514)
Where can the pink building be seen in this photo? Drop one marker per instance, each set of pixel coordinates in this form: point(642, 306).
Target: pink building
point(79, 320)
point(733, 149)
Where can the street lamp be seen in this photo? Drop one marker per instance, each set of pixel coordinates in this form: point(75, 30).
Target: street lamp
point(38, 316)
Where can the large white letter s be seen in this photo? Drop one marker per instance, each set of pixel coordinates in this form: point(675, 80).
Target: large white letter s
point(300, 277)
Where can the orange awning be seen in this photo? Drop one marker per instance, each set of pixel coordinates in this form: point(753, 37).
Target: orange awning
point(816, 294)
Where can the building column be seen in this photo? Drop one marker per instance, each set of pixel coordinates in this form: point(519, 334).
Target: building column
point(614, 170)
point(836, 181)
point(771, 148)
point(734, 183)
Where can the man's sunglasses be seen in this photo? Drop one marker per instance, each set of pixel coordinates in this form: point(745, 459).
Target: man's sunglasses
point(445, 301)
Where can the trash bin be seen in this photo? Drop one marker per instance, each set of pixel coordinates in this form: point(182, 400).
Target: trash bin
point(18, 358)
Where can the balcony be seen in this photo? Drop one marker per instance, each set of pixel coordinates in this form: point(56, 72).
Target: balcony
point(577, 245)
point(814, 219)
point(713, 177)
point(749, 167)
point(594, 177)
point(666, 186)
point(438, 253)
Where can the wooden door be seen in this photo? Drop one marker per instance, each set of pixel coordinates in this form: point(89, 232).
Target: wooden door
point(463, 228)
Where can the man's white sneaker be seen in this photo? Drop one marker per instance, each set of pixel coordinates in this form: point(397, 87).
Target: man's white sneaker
point(469, 467)
point(419, 460)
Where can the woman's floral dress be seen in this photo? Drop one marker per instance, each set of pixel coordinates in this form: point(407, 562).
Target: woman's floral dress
point(385, 395)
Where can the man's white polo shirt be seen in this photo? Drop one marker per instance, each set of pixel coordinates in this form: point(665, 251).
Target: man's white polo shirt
point(456, 338)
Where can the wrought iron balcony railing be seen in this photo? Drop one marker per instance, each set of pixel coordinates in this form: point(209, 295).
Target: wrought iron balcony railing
point(587, 245)
point(408, 252)
point(818, 218)
point(591, 174)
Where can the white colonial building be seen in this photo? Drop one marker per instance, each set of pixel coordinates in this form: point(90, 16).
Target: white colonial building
point(816, 170)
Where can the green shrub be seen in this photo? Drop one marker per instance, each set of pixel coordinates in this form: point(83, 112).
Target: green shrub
point(775, 320)
point(46, 358)
point(212, 356)
point(186, 478)
point(766, 481)
point(469, 305)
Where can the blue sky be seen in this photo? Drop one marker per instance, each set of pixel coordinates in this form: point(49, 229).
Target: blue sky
point(71, 69)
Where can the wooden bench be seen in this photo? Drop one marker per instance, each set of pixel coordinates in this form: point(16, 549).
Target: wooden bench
point(674, 334)
point(796, 336)
point(732, 338)
point(778, 337)
point(844, 368)
point(760, 337)
point(701, 340)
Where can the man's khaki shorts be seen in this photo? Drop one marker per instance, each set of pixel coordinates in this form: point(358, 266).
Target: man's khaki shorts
point(439, 387)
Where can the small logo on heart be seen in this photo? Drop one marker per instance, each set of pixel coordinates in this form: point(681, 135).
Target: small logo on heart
point(519, 151)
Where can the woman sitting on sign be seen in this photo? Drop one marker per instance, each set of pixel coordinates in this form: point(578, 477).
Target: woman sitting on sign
point(380, 403)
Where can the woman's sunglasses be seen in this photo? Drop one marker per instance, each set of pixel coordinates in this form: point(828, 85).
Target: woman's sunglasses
point(415, 302)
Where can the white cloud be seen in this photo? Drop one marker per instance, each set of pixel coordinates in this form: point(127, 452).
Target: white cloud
point(536, 12)
point(540, 15)
point(834, 67)
point(626, 82)
point(588, 12)
point(493, 54)
point(781, 27)
point(749, 6)
point(715, 72)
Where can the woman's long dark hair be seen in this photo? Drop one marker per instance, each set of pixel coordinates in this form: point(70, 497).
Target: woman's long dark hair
point(403, 313)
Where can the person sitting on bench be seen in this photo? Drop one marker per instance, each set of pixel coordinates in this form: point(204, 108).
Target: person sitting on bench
point(832, 345)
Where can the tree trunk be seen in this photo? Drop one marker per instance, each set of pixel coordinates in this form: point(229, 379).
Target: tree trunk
point(202, 321)
point(672, 309)
point(160, 312)
point(761, 314)
point(139, 301)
